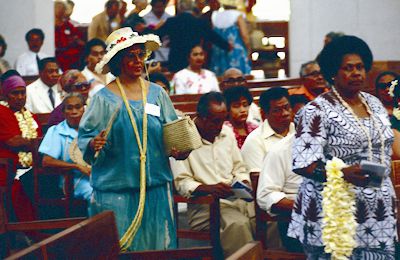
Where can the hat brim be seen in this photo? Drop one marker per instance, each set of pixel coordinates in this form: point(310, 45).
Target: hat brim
point(151, 43)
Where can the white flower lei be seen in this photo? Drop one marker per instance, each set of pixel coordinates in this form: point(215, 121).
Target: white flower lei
point(28, 127)
point(394, 83)
point(338, 205)
point(396, 110)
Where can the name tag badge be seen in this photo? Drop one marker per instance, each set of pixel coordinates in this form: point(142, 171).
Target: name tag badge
point(384, 119)
point(152, 109)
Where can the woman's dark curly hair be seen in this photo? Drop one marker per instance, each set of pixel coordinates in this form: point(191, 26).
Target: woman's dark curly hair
point(331, 56)
point(115, 63)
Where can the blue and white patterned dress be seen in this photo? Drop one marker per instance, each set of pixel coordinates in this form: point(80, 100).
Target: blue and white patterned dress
point(222, 60)
point(326, 128)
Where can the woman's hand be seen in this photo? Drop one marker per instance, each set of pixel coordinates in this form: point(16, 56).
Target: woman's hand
point(99, 141)
point(356, 176)
point(85, 170)
point(179, 155)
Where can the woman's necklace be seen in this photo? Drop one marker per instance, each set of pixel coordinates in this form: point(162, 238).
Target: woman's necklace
point(127, 238)
point(28, 127)
point(362, 127)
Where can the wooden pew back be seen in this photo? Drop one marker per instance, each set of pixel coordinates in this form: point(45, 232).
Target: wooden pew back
point(94, 238)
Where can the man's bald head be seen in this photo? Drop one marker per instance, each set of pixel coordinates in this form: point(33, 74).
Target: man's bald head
point(232, 78)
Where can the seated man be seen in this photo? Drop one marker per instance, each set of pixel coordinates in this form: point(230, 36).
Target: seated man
point(277, 187)
point(27, 62)
point(314, 82)
point(276, 110)
point(43, 95)
point(211, 169)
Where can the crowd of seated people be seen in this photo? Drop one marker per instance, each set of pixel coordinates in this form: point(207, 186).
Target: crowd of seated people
point(240, 133)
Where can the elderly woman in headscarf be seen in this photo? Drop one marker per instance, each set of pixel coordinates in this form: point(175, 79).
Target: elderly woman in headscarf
point(121, 135)
point(18, 129)
point(70, 81)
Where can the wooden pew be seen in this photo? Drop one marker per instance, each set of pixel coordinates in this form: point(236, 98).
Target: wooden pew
point(97, 238)
point(252, 250)
point(261, 228)
point(187, 103)
point(29, 79)
point(213, 234)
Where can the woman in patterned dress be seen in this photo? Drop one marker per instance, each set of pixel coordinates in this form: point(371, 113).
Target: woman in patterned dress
point(351, 125)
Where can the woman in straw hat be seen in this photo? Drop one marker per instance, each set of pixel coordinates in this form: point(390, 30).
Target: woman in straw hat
point(121, 135)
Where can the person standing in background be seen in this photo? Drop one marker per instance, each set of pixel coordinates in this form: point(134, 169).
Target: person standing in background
point(105, 22)
point(27, 62)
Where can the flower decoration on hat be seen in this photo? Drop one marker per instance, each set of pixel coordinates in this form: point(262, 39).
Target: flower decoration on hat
point(124, 38)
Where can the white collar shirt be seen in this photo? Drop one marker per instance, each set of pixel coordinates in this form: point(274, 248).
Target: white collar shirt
point(37, 97)
point(277, 180)
point(259, 142)
point(212, 163)
point(26, 63)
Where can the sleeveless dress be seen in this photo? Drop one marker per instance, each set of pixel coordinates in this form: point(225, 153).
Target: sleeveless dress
point(225, 24)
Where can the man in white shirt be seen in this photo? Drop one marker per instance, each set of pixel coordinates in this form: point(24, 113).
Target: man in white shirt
point(154, 19)
point(277, 113)
point(43, 95)
point(278, 186)
point(211, 169)
point(27, 62)
point(92, 54)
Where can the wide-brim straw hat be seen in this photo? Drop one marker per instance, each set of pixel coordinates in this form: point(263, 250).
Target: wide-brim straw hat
point(124, 38)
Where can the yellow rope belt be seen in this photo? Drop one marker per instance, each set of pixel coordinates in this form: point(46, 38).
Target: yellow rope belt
point(126, 240)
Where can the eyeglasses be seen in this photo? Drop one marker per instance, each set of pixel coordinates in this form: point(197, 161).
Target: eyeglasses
point(235, 80)
point(139, 55)
point(80, 86)
point(383, 85)
point(314, 73)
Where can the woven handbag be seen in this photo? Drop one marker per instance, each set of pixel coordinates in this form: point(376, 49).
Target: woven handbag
point(181, 134)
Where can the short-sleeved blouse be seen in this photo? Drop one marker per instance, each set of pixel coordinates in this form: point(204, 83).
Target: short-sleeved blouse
point(327, 129)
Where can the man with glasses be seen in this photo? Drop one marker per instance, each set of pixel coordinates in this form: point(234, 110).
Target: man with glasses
point(314, 82)
point(71, 81)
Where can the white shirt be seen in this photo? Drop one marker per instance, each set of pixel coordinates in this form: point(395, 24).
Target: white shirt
point(26, 63)
point(259, 142)
point(210, 164)
point(37, 97)
point(254, 114)
point(277, 180)
point(188, 82)
point(151, 19)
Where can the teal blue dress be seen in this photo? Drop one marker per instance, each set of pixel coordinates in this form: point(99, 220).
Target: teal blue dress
point(115, 172)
